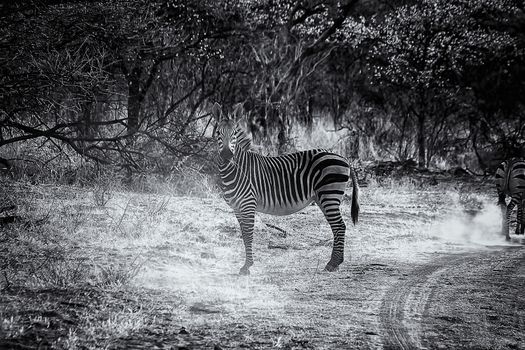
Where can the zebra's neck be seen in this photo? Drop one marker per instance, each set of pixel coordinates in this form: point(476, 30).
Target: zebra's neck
point(243, 140)
point(226, 166)
point(234, 177)
point(229, 167)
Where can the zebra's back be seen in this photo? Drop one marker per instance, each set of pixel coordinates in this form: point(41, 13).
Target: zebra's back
point(286, 184)
point(510, 177)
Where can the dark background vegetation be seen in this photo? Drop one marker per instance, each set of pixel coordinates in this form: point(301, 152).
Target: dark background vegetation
point(127, 85)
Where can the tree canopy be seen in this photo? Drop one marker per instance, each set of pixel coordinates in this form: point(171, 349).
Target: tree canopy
point(131, 83)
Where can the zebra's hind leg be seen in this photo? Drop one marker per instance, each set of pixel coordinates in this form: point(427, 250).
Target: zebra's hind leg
point(511, 206)
point(332, 213)
point(504, 219)
point(246, 220)
point(520, 220)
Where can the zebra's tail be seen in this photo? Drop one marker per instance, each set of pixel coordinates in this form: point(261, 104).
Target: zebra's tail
point(354, 211)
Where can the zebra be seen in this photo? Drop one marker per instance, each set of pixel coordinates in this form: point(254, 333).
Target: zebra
point(281, 185)
point(510, 180)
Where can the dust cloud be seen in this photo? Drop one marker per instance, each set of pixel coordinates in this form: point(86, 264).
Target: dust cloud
point(211, 285)
point(481, 227)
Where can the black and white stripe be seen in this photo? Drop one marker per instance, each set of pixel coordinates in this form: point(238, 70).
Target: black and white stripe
point(282, 185)
point(510, 181)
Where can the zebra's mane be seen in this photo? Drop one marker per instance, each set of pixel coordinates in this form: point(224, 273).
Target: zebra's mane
point(244, 142)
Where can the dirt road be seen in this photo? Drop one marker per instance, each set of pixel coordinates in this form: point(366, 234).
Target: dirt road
point(470, 300)
point(404, 285)
point(466, 300)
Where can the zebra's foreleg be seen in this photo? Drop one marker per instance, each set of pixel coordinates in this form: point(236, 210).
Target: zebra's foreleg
point(246, 220)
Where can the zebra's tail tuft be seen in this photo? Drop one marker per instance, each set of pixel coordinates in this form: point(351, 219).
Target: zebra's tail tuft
point(354, 211)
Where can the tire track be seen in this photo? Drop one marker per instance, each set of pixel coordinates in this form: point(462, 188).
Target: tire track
point(406, 302)
point(398, 333)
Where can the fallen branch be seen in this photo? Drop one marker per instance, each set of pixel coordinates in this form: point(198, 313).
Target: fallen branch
point(284, 234)
point(277, 246)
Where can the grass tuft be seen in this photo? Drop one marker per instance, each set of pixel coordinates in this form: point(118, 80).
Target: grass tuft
point(116, 274)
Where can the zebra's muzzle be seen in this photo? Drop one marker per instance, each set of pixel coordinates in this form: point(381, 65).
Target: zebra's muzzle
point(226, 153)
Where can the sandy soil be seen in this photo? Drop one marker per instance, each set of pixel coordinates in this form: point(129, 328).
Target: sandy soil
point(470, 300)
point(424, 270)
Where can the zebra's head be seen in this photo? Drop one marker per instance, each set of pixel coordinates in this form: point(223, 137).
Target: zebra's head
point(227, 130)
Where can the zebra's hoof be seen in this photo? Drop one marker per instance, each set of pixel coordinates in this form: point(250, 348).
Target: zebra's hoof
point(244, 271)
point(507, 238)
point(331, 268)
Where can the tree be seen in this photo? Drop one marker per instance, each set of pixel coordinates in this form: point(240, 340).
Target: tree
point(290, 41)
point(425, 51)
point(85, 73)
point(47, 78)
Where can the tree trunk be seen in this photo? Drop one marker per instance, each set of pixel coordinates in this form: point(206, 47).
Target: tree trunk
point(135, 97)
point(85, 132)
point(86, 128)
point(133, 113)
point(282, 136)
point(402, 149)
point(421, 144)
point(309, 116)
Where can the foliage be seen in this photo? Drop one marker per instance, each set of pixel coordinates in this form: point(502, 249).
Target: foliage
point(428, 59)
point(129, 83)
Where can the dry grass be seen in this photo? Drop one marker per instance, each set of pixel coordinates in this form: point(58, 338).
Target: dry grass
point(134, 269)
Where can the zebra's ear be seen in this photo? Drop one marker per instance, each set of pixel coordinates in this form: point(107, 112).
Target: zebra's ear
point(216, 111)
point(238, 111)
point(242, 123)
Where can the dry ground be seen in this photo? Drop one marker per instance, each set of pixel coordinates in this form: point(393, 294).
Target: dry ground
point(424, 268)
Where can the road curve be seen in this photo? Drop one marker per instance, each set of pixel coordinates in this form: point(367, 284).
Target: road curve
point(406, 303)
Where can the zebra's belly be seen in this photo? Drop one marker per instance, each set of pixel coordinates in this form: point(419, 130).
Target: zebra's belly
point(279, 209)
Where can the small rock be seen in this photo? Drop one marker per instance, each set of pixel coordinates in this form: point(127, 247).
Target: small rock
point(183, 331)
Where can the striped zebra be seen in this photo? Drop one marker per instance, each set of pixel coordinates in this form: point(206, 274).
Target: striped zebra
point(281, 185)
point(510, 181)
